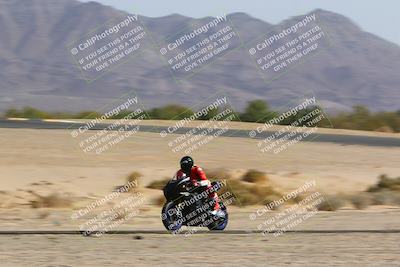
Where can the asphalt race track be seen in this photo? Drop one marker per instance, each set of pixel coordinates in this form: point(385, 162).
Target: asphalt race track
point(331, 138)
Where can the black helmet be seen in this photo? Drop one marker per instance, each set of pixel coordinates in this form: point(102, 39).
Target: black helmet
point(186, 164)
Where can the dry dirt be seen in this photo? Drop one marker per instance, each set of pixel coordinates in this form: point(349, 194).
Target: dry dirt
point(202, 250)
point(48, 161)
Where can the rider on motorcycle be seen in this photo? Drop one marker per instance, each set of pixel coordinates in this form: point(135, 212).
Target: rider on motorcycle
point(198, 178)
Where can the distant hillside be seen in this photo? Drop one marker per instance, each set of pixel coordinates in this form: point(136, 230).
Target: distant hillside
point(36, 68)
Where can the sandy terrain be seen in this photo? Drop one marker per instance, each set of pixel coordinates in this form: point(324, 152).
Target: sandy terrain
point(52, 160)
point(204, 249)
point(48, 161)
point(375, 218)
point(200, 250)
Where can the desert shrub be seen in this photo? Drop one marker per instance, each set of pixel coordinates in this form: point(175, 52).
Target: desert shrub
point(33, 113)
point(331, 203)
point(134, 176)
point(218, 174)
point(262, 191)
point(170, 112)
point(159, 184)
point(51, 201)
point(119, 215)
point(380, 198)
point(249, 194)
point(270, 199)
point(159, 201)
point(298, 198)
point(86, 115)
point(257, 111)
point(44, 214)
point(385, 197)
point(385, 192)
point(395, 198)
point(247, 199)
point(254, 176)
point(264, 194)
point(240, 191)
point(244, 193)
point(363, 119)
point(359, 118)
point(386, 183)
point(360, 201)
point(210, 114)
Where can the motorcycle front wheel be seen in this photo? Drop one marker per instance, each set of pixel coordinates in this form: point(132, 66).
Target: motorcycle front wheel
point(171, 217)
point(222, 223)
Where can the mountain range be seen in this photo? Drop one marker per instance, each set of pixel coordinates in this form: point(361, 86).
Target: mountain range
point(36, 67)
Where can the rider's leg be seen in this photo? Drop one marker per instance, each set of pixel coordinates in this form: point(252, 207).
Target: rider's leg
point(214, 199)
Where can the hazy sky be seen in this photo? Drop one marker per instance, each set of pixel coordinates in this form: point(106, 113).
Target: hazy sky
point(380, 17)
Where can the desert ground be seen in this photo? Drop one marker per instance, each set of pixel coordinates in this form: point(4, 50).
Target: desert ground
point(52, 156)
point(202, 250)
point(43, 162)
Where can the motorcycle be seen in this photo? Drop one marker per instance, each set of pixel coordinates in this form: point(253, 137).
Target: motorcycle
point(189, 206)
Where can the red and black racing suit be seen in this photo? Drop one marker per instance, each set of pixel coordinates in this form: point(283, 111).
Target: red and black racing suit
point(198, 177)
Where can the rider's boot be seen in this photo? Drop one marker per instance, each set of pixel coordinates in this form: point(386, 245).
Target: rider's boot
point(217, 208)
